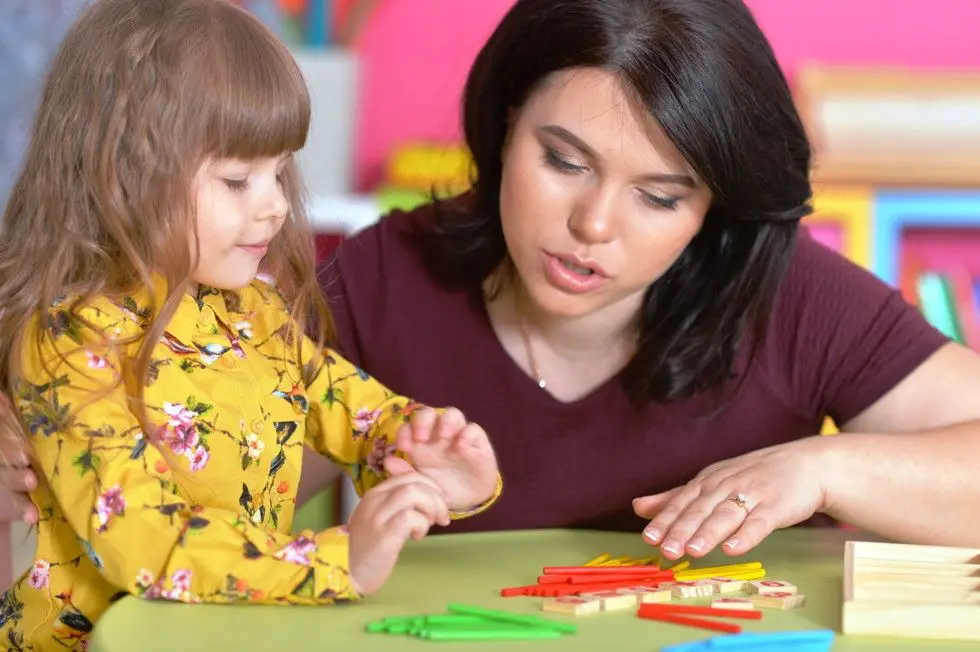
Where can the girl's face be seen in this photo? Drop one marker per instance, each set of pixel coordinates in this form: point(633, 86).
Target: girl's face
point(595, 203)
point(240, 209)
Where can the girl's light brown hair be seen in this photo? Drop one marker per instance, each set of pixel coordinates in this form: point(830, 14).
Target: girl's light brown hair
point(140, 94)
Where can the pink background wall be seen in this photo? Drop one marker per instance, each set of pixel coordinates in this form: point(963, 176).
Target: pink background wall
point(415, 54)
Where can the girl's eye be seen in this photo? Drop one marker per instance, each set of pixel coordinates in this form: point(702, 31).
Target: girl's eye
point(238, 185)
point(555, 160)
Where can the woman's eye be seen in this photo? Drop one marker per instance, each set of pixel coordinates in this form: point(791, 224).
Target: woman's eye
point(555, 160)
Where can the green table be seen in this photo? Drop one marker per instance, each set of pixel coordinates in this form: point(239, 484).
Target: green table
point(471, 569)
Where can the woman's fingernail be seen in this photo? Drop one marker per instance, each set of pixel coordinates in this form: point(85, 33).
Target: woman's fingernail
point(671, 547)
point(731, 544)
point(696, 545)
point(652, 533)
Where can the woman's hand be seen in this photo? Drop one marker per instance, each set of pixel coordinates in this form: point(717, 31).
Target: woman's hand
point(739, 501)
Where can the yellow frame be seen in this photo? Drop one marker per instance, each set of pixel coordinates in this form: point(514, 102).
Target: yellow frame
point(850, 207)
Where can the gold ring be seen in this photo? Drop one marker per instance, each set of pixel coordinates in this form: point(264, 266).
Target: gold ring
point(741, 500)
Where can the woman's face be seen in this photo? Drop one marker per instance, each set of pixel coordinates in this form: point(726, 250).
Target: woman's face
point(595, 201)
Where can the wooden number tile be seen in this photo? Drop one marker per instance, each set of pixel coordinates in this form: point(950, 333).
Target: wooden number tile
point(648, 594)
point(778, 600)
point(706, 587)
point(739, 604)
point(725, 585)
point(613, 600)
point(572, 604)
point(685, 589)
point(770, 586)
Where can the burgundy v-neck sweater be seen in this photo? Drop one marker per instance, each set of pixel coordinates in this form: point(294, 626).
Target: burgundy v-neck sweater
point(839, 340)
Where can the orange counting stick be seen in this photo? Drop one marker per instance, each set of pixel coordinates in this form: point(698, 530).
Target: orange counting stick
point(704, 623)
point(598, 570)
point(698, 610)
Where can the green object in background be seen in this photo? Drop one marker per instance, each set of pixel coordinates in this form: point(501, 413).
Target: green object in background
point(939, 305)
point(318, 513)
point(405, 199)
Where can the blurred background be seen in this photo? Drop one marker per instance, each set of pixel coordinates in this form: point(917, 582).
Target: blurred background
point(889, 91)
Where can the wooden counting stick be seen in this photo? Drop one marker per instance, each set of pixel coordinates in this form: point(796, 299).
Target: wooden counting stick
point(613, 600)
point(738, 604)
point(648, 594)
point(778, 600)
point(770, 586)
point(572, 604)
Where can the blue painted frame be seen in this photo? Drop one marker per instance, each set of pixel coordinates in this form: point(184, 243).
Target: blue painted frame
point(895, 209)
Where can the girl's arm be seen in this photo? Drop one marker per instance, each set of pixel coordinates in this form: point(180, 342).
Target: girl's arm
point(119, 495)
point(355, 422)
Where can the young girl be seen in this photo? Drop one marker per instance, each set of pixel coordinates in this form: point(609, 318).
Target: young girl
point(166, 394)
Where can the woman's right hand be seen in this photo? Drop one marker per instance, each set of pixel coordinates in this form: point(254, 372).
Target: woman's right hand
point(402, 506)
point(16, 479)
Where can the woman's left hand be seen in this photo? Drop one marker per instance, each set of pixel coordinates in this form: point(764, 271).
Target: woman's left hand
point(738, 502)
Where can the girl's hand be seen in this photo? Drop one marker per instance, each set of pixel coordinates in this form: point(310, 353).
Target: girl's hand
point(400, 507)
point(455, 454)
point(738, 501)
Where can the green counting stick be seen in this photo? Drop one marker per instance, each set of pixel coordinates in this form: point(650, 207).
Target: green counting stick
point(489, 634)
point(506, 617)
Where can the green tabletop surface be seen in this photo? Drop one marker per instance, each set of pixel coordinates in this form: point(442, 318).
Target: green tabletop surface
point(471, 569)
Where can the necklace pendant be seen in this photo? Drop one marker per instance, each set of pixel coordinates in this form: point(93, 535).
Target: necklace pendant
point(541, 383)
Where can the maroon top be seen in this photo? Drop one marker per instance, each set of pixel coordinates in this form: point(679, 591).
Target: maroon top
point(840, 339)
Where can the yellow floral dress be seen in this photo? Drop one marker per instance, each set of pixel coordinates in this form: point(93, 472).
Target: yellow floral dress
point(200, 510)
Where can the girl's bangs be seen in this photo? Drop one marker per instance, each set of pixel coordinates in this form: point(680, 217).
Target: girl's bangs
point(257, 99)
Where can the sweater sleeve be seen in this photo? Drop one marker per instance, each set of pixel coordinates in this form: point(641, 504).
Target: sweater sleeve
point(842, 338)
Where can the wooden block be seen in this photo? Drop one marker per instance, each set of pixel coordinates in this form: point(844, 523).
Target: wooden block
point(706, 587)
point(770, 586)
point(648, 594)
point(575, 605)
point(915, 591)
point(778, 600)
point(726, 585)
point(738, 604)
point(613, 600)
point(685, 589)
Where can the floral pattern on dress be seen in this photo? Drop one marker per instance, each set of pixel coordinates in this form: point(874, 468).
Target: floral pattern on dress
point(198, 508)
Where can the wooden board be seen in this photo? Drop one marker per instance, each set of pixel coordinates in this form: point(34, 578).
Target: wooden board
point(891, 126)
point(914, 591)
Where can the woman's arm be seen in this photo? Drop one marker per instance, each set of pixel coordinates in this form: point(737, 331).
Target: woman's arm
point(907, 467)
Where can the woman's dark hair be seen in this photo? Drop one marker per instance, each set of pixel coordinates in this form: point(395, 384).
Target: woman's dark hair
point(706, 73)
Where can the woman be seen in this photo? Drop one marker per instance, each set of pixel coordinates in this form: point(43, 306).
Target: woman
point(642, 317)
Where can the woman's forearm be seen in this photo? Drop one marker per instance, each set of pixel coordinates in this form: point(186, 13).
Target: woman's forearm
point(318, 474)
point(921, 487)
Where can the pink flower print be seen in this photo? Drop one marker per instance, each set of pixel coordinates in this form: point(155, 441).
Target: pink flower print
point(380, 449)
point(96, 361)
point(82, 645)
point(199, 458)
point(109, 503)
point(144, 578)
point(38, 576)
point(182, 439)
point(298, 552)
point(364, 420)
point(181, 579)
point(179, 415)
point(255, 445)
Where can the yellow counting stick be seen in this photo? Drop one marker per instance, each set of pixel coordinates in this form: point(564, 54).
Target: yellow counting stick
point(747, 576)
point(618, 561)
point(716, 571)
point(653, 560)
point(595, 561)
point(679, 567)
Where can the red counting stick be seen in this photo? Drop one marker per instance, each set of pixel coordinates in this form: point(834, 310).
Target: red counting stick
point(697, 610)
point(600, 570)
point(704, 623)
